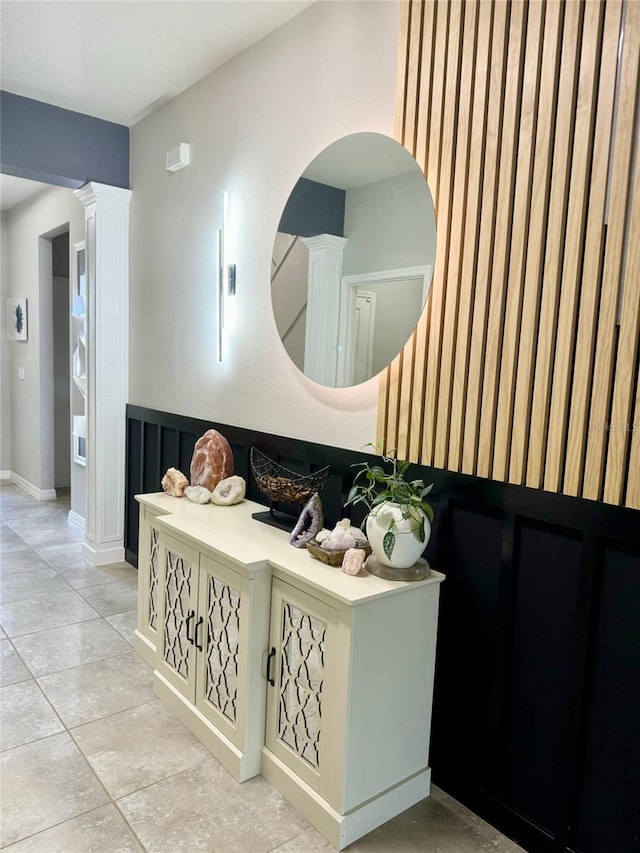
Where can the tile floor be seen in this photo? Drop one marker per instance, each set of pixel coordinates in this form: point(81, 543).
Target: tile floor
point(92, 761)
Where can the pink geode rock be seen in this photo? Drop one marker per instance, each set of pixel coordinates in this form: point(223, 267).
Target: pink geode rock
point(174, 483)
point(212, 460)
point(353, 561)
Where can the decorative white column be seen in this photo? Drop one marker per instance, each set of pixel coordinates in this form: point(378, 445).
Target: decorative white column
point(323, 307)
point(107, 340)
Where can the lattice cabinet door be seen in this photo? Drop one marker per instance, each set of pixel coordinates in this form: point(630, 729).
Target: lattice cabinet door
point(149, 582)
point(299, 695)
point(222, 630)
point(177, 614)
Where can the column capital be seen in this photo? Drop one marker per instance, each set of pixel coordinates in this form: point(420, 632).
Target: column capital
point(94, 193)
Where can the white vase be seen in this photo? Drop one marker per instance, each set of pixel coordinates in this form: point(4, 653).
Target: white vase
point(407, 547)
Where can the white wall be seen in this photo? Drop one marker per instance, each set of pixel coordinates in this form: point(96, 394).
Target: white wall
point(389, 224)
point(5, 390)
point(30, 275)
point(253, 125)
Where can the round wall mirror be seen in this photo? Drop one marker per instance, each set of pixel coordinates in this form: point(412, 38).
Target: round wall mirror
point(353, 259)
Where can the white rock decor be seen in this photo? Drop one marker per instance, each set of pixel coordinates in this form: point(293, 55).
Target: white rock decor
point(353, 561)
point(342, 537)
point(212, 460)
point(330, 546)
point(197, 494)
point(310, 522)
point(174, 483)
point(229, 491)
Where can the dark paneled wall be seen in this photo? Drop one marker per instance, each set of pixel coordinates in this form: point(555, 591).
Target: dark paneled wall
point(536, 720)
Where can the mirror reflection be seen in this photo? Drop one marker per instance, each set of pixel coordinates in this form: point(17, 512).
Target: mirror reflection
point(353, 259)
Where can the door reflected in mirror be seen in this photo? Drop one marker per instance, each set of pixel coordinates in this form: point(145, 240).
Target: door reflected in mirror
point(353, 259)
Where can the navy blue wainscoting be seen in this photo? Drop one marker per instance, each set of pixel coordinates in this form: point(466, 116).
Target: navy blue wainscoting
point(536, 717)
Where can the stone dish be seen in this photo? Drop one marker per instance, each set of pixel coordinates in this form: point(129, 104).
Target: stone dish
point(334, 558)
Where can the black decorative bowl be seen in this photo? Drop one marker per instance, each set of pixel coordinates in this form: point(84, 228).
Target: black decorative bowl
point(285, 487)
point(281, 485)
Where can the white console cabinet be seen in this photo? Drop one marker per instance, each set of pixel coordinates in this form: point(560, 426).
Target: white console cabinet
point(148, 557)
point(284, 666)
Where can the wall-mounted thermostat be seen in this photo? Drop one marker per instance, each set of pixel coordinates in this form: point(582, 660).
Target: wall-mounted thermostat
point(178, 157)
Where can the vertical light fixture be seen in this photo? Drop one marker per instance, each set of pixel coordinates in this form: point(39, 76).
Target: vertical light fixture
point(226, 270)
point(220, 290)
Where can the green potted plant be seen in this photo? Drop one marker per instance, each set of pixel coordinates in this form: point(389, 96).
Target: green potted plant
point(398, 524)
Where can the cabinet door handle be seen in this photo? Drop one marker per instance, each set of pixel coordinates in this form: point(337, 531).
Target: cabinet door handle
point(198, 625)
point(191, 615)
point(272, 654)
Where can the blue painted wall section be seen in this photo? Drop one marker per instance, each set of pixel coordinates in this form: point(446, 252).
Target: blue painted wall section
point(46, 143)
point(314, 208)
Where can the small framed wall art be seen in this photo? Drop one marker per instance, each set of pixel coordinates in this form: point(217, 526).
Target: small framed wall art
point(17, 318)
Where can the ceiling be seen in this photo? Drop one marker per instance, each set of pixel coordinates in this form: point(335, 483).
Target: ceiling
point(14, 190)
point(360, 159)
point(120, 59)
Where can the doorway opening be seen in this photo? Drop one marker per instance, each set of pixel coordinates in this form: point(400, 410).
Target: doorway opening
point(61, 362)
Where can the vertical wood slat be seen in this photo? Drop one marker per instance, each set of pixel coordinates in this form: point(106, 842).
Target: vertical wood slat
point(626, 367)
point(403, 63)
point(592, 264)
point(429, 118)
point(413, 75)
point(623, 418)
point(532, 285)
point(497, 294)
point(457, 232)
point(409, 445)
point(574, 242)
point(519, 239)
point(471, 232)
point(600, 413)
point(443, 202)
point(479, 320)
point(519, 336)
point(387, 414)
point(405, 398)
point(402, 364)
point(550, 298)
point(394, 375)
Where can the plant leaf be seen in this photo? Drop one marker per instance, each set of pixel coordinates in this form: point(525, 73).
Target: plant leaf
point(428, 511)
point(353, 494)
point(388, 543)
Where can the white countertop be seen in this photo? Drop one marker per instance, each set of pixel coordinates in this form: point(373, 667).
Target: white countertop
point(231, 531)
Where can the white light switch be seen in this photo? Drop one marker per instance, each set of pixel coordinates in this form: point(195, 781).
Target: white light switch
point(21, 373)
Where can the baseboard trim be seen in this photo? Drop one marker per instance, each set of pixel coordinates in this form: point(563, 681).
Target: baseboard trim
point(34, 491)
point(102, 556)
point(5, 475)
point(75, 520)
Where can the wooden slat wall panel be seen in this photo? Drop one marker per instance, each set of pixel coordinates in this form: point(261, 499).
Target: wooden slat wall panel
point(519, 238)
point(594, 242)
point(622, 414)
point(607, 339)
point(428, 143)
point(574, 243)
point(444, 203)
point(529, 340)
point(471, 233)
point(493, 137)
point(459, 205)
point(539, 212)
point(509, 118)
point(557, 223)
